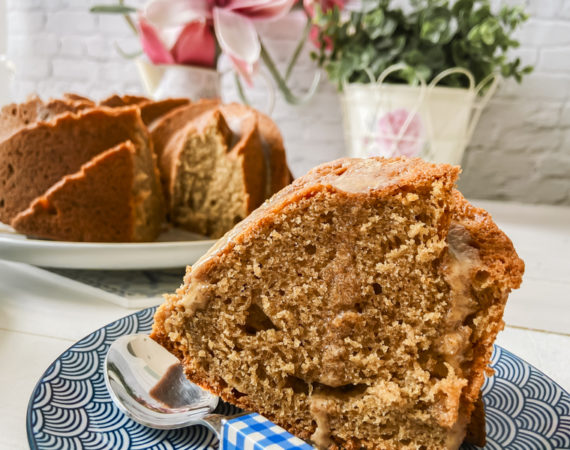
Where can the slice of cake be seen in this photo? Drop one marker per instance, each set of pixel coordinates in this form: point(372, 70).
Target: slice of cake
point(36, 157)
point(357, 308)
point(108, 200)
point(215, 164)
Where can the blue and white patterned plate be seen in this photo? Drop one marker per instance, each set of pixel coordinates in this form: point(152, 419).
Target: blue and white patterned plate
point(71, 409)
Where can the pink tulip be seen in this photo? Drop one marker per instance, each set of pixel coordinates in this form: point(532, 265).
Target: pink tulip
point(195, 45)
point(194, 23)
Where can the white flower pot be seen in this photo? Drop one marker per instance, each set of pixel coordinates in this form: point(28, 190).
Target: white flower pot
point(164, 81)
point(432, 122)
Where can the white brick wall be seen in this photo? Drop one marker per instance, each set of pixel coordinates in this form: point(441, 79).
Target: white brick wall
point(520, 150)
point(2, 26)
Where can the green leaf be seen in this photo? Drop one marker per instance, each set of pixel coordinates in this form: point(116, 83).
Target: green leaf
point(373, 22)
point(112, 9)
point(429, 36)
point(488, 30)
point(462, 7)
point(480, 14)
point(387, 28)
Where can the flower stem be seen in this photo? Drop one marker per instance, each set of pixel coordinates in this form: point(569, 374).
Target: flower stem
point(129, 20)
point(298, 49)
point(127, 55)
point(282, 84)
point(240, 90)
point(131, 24)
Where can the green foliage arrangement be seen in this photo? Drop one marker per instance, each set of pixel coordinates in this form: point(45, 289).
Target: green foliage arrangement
point(429, 37)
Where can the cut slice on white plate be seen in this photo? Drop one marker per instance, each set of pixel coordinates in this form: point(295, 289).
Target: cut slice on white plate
point(174, 248)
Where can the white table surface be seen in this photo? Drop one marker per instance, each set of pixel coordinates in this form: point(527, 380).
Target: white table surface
point(38, 322)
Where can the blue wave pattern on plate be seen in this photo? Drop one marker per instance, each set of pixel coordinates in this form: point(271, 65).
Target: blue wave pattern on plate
point(71, 409)
point(524, 408)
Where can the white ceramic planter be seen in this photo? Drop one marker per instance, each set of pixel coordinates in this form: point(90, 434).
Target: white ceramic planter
point(432, 122)
point(164, 81)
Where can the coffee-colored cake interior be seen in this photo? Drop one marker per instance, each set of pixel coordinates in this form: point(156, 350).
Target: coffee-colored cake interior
point(356, 309)
point(209, 192)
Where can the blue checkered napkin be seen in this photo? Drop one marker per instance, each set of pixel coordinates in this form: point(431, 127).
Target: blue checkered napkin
point(255, 432)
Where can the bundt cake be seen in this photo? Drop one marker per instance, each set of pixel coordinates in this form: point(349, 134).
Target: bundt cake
point(218, 163)
point(14, 116)
point(357, 308)
point(108, 200)
point(38, 156)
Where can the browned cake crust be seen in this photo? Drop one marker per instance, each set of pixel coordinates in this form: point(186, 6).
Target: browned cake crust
point(411, 279)
point(96, 204)
point(37, 157)
point(173, 121)
point(248, 149)
point(152, 111)
point(78, 98)
point(14, 117)
point(277, 172)
point(116, 101)
point(476, 433)
point(167, 138)
point(280, 173)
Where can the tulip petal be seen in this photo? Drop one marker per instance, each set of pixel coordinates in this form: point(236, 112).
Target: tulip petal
point(237, 36)
point(244, 69)
point(152, 45)
point(195, 46)
point(170, 13)
point(262, 9)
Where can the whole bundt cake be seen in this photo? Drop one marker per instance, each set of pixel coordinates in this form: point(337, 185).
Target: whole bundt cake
point(357, 308)
point(218, 163)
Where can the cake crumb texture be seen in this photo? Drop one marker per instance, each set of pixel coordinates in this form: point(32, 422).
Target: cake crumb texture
point(357, 308)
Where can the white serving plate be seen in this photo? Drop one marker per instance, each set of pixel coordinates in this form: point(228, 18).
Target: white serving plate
point(174, 248)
